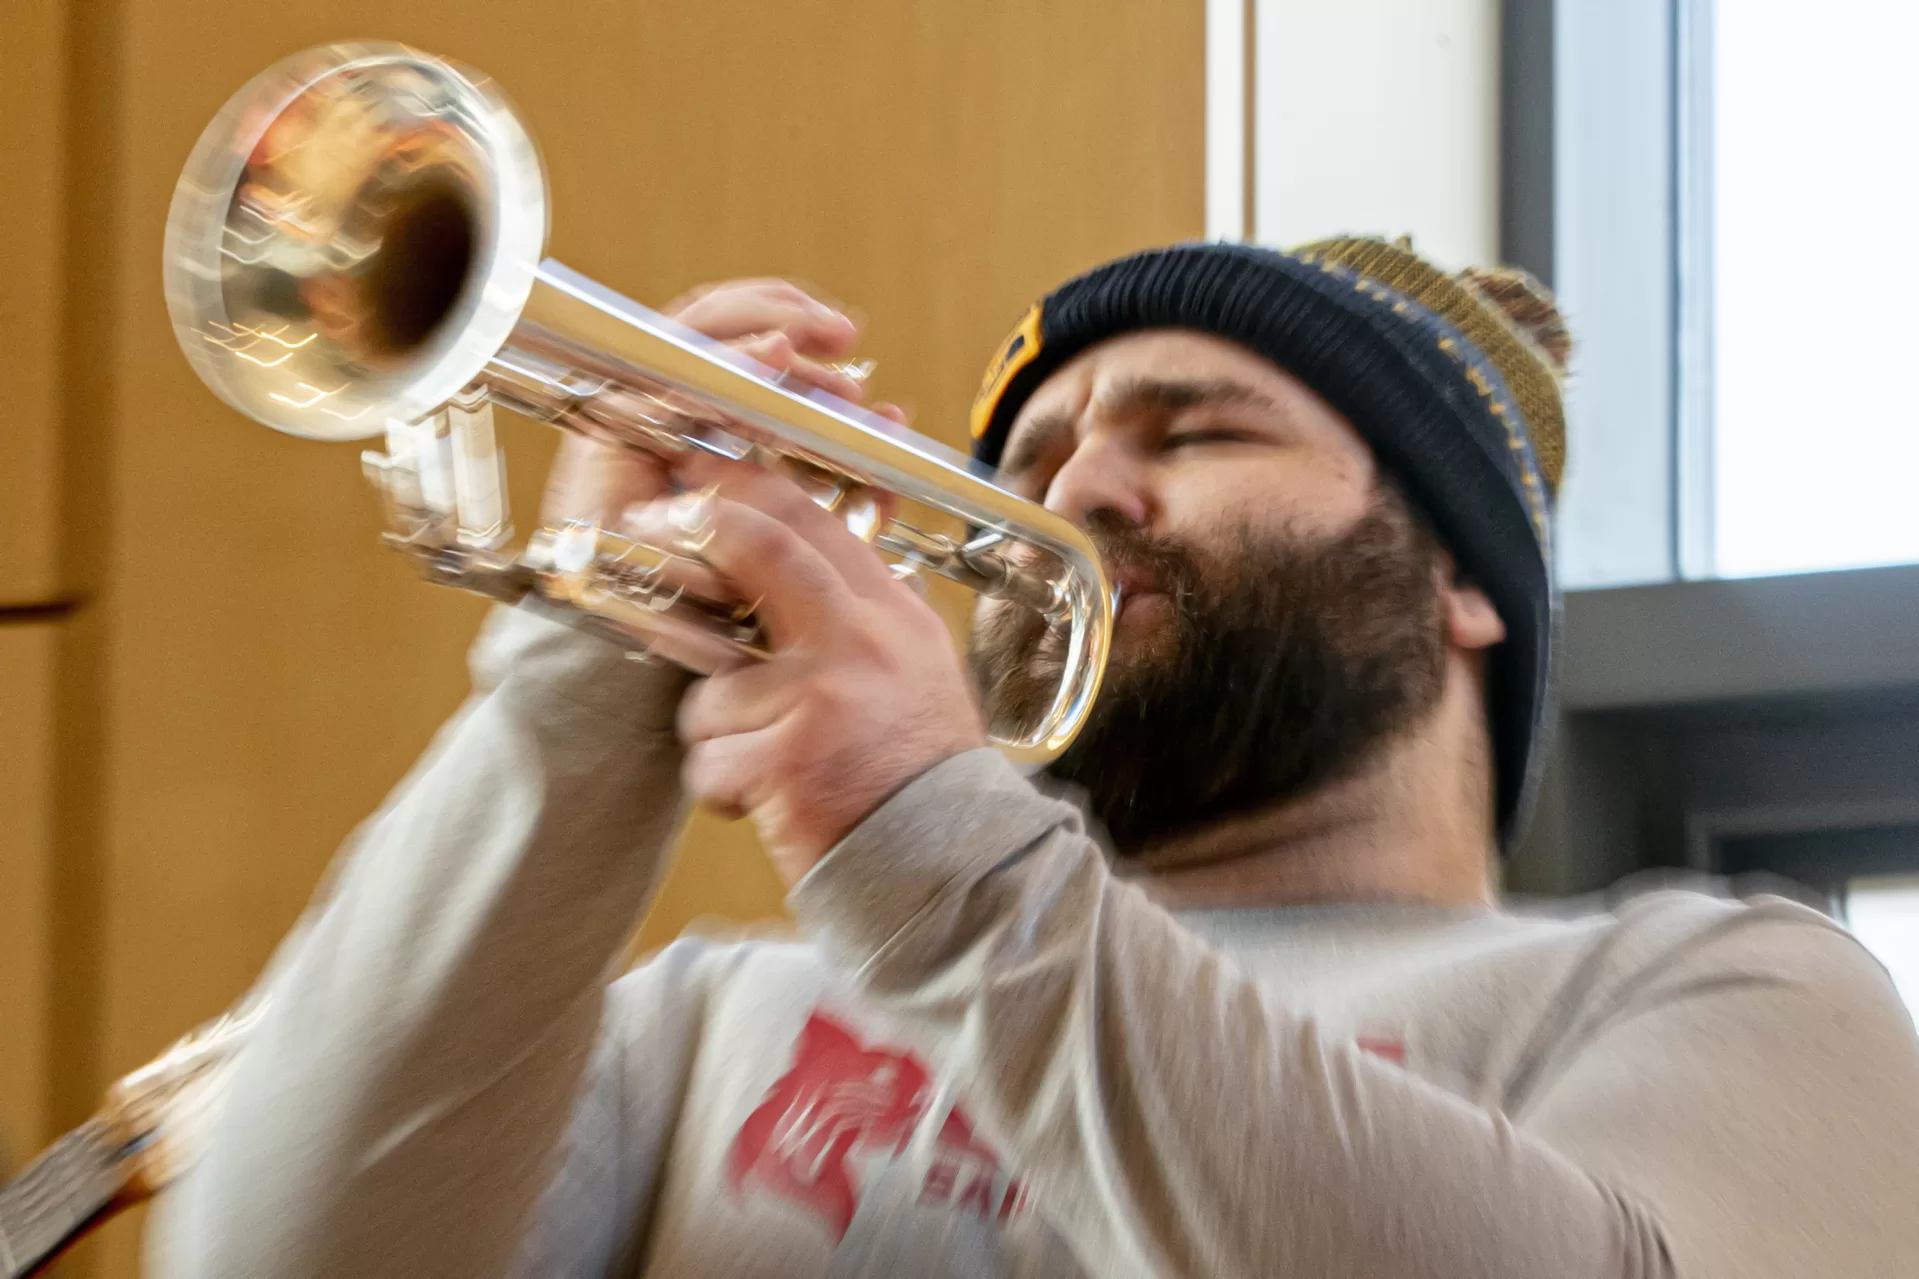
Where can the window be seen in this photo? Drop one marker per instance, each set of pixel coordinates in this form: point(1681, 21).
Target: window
point(1884, 915)
point(1730, 186)
point(1720, 192)
point(1815, 301)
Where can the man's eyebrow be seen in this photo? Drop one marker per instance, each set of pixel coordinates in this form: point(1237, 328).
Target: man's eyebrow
point(1135, 397)
point(1160, 396)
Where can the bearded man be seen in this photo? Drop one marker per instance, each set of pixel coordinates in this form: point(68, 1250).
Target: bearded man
point(1276, 1024)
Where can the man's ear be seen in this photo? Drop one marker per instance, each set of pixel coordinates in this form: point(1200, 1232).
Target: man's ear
point(1472, 623)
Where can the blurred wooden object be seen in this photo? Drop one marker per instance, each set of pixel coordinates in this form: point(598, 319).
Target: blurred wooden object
point(247, 672)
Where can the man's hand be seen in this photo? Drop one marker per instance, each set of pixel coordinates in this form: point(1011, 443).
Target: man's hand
point(863, 692)
point(775, 322)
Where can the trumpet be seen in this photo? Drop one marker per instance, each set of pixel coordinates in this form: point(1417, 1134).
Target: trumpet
point(354, 250)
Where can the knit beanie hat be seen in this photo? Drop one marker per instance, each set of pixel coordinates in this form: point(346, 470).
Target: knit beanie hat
point(1453, 380)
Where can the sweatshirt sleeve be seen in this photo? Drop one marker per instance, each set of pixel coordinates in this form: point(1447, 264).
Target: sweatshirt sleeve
point(1171, 1116)
point(401, 1105)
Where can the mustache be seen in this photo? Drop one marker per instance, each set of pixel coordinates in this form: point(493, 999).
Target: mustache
point(1129, 554)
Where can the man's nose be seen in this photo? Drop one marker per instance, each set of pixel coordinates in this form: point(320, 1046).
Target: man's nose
point(1103, 473)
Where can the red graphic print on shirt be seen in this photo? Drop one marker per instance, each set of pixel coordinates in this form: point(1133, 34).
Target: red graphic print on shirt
point(842, 1102)
point(1393, 1050)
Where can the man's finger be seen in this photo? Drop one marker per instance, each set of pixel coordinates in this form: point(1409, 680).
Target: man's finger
point(776, 351)
point(796, 591)
point(859, 567)
point(815, 330)
point(743, 700)
point(770, 284)
point(726, 773)
point(595, 481)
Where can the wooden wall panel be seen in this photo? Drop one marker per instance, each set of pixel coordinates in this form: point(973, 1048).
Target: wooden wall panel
point(268, 671)
point(26, 887)
point(31, 246)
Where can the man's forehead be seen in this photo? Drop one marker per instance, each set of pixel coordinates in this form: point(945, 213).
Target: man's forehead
point(1113, 369)
point(1149, 355)
point(1160, 372)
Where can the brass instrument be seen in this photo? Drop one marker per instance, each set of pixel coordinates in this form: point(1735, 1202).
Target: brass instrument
point(354, 251)
point(150, 1128)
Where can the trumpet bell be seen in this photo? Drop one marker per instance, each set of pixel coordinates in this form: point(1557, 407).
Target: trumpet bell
point(353, 238)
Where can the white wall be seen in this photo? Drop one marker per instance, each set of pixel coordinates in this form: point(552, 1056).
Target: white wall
point(1225, 119)
point(1371, 117)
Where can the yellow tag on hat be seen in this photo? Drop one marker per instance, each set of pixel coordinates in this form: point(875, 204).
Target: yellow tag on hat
point(1014, 354)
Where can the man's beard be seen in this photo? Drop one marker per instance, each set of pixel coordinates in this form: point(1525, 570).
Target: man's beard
point(1286, 666)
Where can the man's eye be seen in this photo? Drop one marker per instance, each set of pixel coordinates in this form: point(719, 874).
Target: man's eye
point(1219, 435)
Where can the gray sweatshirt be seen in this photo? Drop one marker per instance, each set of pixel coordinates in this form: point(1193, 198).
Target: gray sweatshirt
point(996, 1059)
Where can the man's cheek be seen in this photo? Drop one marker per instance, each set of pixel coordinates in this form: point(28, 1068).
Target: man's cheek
point(1145, 613)
point(1147, 634)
